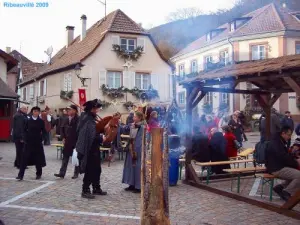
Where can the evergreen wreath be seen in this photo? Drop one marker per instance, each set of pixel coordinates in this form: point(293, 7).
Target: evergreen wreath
point(66, 94)
point(124, 54)
point(149, 94)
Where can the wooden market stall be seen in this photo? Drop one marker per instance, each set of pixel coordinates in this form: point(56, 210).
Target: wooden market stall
point(272, 77)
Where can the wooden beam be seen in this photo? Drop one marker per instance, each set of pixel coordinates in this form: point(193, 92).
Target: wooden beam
point(198, 99)
point(189, 127)
point(155, 207)
point(265, 104)
point(293, 201)
point(238, 91)
point(193, 94)
point(274, 99)
point(293, 84)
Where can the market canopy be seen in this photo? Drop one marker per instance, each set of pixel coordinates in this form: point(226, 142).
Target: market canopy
point(278, 75)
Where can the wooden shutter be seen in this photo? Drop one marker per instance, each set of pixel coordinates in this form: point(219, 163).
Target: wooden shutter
point(102, 78)
point(126, 79)
point(131, 79)
point(155, 81)
point(141, 42)
point(45, 87)
point(39, 88)
point(115, 40)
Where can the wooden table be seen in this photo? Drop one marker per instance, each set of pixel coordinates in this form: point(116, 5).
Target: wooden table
point(239, 171)
point(208, 165)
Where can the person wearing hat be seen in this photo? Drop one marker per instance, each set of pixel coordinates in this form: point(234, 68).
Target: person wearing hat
point(33, 153)
point(68, 134)
point(46, 117)
point(87, 147)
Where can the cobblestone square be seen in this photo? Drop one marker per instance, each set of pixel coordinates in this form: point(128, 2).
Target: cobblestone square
point(58, 201)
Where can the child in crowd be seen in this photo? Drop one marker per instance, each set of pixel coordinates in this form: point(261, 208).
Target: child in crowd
point(295, 149)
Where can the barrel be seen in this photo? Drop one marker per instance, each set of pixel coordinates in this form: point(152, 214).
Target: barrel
point(174, 143)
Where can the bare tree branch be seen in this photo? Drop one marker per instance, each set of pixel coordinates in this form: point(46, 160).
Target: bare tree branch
point(185, 13)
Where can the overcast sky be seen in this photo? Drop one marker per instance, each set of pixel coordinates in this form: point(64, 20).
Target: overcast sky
point(35, 29)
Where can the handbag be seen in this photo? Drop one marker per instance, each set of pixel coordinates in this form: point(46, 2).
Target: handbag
point(75, 161)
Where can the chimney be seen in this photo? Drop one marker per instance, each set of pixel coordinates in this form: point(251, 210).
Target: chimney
point(8, 50)
point(70, 35)
point(83, 27)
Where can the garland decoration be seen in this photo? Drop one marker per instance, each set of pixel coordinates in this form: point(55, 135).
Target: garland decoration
point(148, 94)
point(128, 105)
point(104, 104)
point(126, 55)
point(66, 94)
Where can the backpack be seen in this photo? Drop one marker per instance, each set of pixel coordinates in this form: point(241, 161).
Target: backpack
point(260, 152)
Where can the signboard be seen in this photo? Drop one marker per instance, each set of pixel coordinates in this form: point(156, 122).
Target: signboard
point(82, 96)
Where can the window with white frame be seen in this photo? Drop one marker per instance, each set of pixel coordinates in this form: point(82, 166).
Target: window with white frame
point(142, 81)
point(208, 99)
point(258, 52)
point(194, 66)
point(114, 79)
point(224, 97)
point(207, 60)
point(128, 44)
point(181, 70)
point(181, 97)
point(224, 57)
point(31, 91)
point(297, 48)
point(67, 82)
point(24, 93)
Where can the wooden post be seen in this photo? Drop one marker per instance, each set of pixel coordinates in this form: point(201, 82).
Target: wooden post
point(155, 179)
point(188, 138)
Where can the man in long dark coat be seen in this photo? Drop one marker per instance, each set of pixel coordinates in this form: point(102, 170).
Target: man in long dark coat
point(18, 133)
point(69, 136)
point(87, 146)
point(33, 153)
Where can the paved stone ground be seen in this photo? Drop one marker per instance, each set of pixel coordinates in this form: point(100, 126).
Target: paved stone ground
point(57, 201)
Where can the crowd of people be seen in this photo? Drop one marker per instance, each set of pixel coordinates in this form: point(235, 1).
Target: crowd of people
point(214, 139)
point(31, 131)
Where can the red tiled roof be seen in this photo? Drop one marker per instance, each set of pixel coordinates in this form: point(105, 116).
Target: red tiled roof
point(5, 91)
point(116, 21)
point(270, 18)
point(17, 55)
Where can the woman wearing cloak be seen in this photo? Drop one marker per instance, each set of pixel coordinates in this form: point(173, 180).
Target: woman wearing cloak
point(87, 147)
point(33, 153)
point(132, 164)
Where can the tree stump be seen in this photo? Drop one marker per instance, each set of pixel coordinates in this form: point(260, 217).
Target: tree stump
point(155, 179)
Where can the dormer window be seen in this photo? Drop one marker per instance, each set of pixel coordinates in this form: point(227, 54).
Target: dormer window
point(208, 36)
point(297, 16)
point(232, 26)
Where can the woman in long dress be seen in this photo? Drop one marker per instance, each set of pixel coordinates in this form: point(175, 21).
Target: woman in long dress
point(33, 154)
point(132, 164)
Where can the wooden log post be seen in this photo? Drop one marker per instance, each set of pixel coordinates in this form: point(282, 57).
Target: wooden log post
point(155, 179)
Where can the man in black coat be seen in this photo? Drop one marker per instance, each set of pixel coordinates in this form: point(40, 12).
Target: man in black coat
point(33, 153)
point(18, 133)
point(283, 165)
point(87, 147)
point(68, 134)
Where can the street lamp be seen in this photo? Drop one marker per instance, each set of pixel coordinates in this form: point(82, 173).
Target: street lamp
point(77, 70)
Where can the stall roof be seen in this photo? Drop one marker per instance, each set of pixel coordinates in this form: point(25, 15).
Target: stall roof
point(6, 92)
point(266, 74)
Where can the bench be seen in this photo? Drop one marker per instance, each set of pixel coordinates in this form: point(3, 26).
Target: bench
point(266, 178)
point(103, 151)
point(240, 171)
point(59, 148)
point(244, 154)
point(208, 165)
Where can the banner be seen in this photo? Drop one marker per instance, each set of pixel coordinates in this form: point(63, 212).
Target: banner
point(82, 96)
